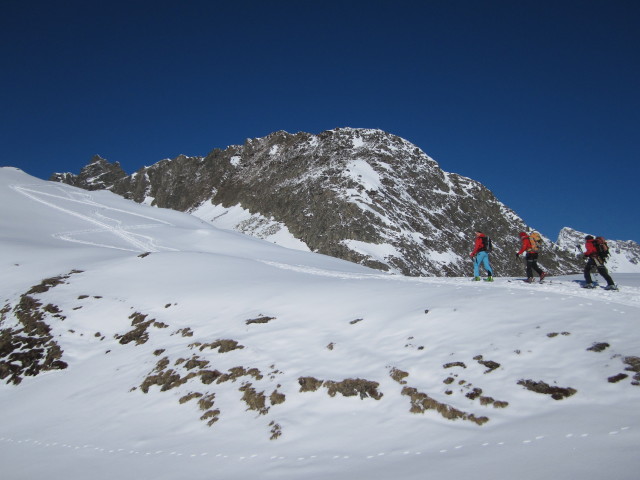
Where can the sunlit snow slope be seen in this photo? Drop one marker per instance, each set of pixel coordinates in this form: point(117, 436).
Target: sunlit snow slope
point(139, 342)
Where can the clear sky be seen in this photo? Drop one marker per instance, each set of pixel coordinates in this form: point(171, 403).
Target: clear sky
point(538, 100)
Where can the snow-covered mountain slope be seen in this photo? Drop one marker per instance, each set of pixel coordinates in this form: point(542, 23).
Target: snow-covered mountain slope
point(624, 256)
point(140, 342)
point(358, 194)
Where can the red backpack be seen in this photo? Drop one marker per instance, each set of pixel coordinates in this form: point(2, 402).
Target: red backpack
point(601, 246)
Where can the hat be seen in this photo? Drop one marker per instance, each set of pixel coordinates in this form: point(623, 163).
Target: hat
point(523, 234)
point(588, 237)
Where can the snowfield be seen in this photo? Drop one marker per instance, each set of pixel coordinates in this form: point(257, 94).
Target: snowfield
point(139, 342)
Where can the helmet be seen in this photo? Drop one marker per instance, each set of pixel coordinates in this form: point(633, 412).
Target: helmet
point(523, 234)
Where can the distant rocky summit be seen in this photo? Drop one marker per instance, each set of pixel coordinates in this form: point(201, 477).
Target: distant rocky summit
point(361, 195)
point(99, 174)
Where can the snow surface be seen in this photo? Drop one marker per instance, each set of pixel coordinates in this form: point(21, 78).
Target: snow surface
point(364, 174)
point(332, 320)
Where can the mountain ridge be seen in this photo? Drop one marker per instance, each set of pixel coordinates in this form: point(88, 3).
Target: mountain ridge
point(362, 195)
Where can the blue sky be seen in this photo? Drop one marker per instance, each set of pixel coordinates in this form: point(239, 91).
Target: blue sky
point(537, 100)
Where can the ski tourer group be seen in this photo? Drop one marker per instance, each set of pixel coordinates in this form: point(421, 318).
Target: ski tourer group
point(596, 252)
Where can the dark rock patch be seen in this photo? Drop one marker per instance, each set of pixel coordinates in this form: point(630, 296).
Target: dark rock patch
point(30, 348)
point(309, 384)
point(223, 346)
point(399, 375)
point(473, 394)
point(209, 376)
point(255, 400)
point(259, 319)
point(349, 387)
point(617, 378)
point(633, 366)
point(189, 397)
point(557, 393)
point(276, 430)
point(276, 398)
point(139, 334)
point(185, 332)
point(598, 347)
point(421, 402)
point(238, 372)
point(491, 365)
point(454, 364)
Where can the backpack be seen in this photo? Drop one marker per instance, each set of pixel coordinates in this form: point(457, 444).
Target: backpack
point(487, 245)
point(536, 242)
point(601, 246)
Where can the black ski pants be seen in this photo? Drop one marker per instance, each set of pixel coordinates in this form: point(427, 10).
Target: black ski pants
point(602, 270)
point(532, 264)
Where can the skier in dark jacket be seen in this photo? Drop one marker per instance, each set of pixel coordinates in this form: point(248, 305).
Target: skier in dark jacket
point(593, 259)
point(531, 257)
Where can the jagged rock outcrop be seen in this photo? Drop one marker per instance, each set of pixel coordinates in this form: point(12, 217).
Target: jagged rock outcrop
point(99, 174)
point(362, 195)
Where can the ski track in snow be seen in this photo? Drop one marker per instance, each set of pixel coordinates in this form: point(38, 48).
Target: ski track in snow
point(97, 217)
point(629, 296)
point(567, 437)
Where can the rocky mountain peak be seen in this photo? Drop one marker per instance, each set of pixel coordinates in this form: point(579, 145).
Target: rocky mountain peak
point(363, 195)
point(98, 174)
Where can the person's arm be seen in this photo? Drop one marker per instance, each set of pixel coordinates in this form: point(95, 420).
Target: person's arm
point(526, 244)
point(477, 247)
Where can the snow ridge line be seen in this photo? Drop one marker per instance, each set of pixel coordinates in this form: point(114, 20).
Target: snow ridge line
point(274, 458)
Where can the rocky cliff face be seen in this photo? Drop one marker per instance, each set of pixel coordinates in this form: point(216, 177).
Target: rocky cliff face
point(362, 195)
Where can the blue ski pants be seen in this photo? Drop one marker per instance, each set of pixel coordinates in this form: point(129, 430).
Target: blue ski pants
point(481, 258)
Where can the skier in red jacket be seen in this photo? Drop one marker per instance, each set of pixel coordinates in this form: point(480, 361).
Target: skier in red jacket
point(480, 255)
point(531, 256)
point(594, 260)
